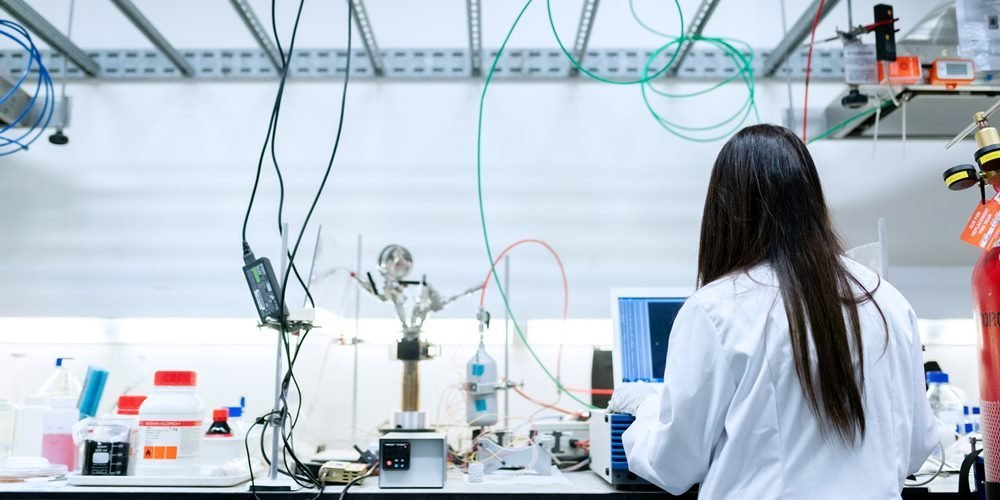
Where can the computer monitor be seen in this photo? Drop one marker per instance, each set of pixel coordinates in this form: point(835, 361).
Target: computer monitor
point(642, 319)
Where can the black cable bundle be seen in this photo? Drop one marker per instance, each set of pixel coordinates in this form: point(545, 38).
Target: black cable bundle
point(296, 470)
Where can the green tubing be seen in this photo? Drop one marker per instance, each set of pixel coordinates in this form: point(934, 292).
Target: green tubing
point(577, 65)
point(863, 114)
point(482, 216)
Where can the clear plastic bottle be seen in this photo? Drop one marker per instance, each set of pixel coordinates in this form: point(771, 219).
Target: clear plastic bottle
point(29, 425)
point(6, 428)
point(946, 404)
point(481, 399)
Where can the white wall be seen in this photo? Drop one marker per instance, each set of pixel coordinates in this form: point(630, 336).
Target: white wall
point(140, 214)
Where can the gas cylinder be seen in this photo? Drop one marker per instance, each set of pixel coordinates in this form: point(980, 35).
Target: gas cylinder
point(986, 295)
point(986, 301)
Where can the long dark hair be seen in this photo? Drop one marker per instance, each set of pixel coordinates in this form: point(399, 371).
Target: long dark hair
point(765, 206)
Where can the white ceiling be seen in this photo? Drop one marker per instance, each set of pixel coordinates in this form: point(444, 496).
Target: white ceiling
point(442, 23)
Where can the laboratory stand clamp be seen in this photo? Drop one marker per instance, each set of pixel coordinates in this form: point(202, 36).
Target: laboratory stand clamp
point(982, 231)
point(394, 264)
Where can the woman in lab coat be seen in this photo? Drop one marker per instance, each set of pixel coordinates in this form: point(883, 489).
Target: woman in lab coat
point(793, 372)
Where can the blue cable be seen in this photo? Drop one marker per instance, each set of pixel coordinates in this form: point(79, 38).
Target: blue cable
point(43, 87)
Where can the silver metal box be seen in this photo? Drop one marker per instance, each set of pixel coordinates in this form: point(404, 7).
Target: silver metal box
point(413, 460)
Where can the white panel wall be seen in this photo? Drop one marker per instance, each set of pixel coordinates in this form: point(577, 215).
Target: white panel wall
point(140, 214)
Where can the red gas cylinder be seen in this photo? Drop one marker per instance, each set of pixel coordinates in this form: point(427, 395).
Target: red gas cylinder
point(986, 301)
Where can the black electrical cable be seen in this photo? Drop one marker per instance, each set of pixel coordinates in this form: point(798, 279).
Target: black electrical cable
point(272, 125)
point(303, 474)
point(286, 64)
point(352, 482)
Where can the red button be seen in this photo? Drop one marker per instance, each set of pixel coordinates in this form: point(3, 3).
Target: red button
point(388, 463)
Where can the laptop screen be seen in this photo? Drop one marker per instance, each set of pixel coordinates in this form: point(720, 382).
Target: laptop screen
point(644, 326)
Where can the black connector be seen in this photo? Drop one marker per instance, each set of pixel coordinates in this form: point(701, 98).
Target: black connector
point(366, 456)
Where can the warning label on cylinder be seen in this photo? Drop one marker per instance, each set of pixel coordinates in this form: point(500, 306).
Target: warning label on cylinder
point(982, 229)
point(169, 439)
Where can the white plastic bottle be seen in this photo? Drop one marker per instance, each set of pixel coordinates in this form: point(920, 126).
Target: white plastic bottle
point(481, 397)
point(57, 432)
point(946, 404)
point(28, 427)
point(170, 426)
point(61, 383)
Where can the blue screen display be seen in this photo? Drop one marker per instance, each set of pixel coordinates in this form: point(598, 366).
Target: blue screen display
point(645, 325)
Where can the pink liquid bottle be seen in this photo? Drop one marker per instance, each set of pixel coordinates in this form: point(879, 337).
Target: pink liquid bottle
point(57, 434)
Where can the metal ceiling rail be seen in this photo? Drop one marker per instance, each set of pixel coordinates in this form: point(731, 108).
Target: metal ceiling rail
point(474, 13)
point(587, 17)
point(698, 22)
point(368, 36)
point(146, 27)
point(796, 35)
point(37, 24)
point(246, 13)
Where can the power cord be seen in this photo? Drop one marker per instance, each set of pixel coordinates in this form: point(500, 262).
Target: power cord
point(352, 482)
point(294, 468)
point(268, 141)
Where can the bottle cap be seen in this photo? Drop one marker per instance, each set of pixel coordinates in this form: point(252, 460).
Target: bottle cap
point(220, 415)
point(175, 378)
point(128, 404)
point(937, 378)
point(235, 411)
point(966, 410)
point(975, 410)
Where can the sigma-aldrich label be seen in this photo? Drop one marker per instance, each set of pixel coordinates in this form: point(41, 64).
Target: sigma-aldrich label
point(163, 441)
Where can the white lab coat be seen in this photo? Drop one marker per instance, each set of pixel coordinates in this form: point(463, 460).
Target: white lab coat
point(733, 418)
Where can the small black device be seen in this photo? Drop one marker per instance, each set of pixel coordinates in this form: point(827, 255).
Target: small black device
point(395, 455)
point(263, 285)
point(885, 33)
point(854, 99)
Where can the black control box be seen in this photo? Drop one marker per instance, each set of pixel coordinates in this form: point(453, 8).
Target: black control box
point(885, 33)
point(264, 286)
point(395, 455)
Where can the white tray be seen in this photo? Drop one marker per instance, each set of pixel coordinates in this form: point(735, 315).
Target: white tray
point(165, 481)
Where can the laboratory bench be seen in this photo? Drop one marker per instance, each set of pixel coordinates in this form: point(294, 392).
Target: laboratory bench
point(582, 485)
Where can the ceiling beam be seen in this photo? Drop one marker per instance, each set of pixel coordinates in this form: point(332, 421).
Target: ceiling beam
point(368, 36)
point(796, 35)
point(245, 11)
point(143, 24)
point(698, 22)
point(583, 33)
point(474, 15)
point(37, 24)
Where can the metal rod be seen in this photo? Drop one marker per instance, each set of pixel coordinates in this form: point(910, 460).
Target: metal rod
point(367, 36)
point(850, 15)
point(506, 344)
point(277, 417)
point(34, 21)
point(796, 35)
point(583, 30)
point(246, 13)
point(143, 24)
point(357, 333)
point(698, 22)
point(474, 13)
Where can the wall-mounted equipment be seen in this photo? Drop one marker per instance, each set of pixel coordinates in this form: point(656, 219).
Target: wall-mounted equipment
point(952, 72)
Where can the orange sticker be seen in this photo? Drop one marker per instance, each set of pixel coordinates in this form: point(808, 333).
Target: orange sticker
point(982, 229)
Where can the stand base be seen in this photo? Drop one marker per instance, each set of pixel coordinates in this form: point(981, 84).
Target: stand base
point(279, 484)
